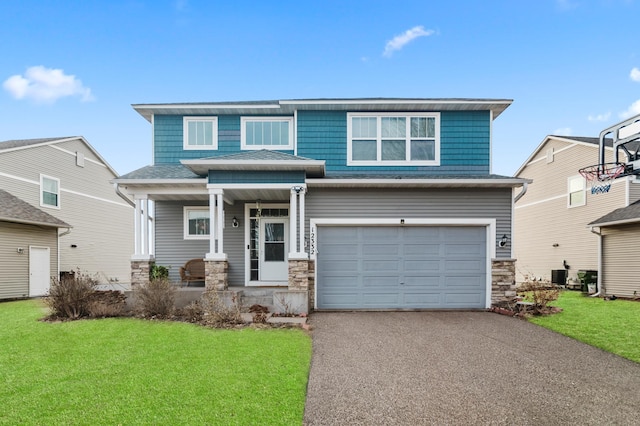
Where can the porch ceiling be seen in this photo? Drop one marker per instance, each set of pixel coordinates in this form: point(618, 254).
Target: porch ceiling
point(172, 192)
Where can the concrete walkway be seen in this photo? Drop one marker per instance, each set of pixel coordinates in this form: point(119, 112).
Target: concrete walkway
point(417, 368)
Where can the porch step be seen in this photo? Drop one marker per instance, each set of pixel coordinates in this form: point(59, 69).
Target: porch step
point(256, 300)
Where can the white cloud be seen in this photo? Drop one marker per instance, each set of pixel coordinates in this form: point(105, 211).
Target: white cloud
point(46, 85)
point(563, 131)
point(635, 74)
point(599, 117)
point(634, 109)
point(400, 40)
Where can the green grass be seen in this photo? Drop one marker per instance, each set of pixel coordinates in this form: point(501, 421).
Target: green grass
point(612, 325)
point(129, 371)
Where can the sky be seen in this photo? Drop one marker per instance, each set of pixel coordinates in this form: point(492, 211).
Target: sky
point(74, 68)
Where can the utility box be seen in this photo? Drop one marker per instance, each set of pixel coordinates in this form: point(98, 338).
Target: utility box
point(559, 276)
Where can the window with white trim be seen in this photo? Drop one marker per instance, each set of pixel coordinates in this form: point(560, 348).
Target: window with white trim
point(266, 132)
point(49, 191)
point(200, 132)
point(196, 223)
point(393, 139)
point(577, 190)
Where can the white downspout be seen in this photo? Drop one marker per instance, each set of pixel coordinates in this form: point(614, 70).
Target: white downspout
point(525, 185)
point(599, 280)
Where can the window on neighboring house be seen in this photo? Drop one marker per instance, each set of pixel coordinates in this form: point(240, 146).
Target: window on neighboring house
point(393, 139)
point(200, 132)
point(196, 222)
point(577, 191)
point(266, 132)
point(49, 191)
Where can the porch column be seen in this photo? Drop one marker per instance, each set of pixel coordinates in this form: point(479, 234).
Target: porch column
point(301, 247)
point(216, 225)
point(141, 231)
point(293, 226)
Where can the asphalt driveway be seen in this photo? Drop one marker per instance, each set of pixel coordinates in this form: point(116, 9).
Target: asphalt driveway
point(412, 368)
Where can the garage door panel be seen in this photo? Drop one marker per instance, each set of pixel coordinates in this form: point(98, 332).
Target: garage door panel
point(463, 249)
point(422, 281)
point(421, 265)
point(344, 265)
point(394, 267)
point(380, 281)
point(381, 265)
point(463, 265)
point(380, 249)
point(380, 299)
point(421, 299)
point(417, 249)
point(462, 299)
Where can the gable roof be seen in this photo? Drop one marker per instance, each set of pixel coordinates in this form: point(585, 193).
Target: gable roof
point(588, 141)
point(13, 209)
point(496, 106)
point(620, 216)
point(16, 144)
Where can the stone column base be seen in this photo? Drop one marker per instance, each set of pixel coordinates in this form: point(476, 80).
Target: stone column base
point(503, 281)
point(298, 274)
point(216, 274)
point(141, 272)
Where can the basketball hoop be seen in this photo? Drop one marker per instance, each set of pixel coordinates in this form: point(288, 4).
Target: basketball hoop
point(601, 175)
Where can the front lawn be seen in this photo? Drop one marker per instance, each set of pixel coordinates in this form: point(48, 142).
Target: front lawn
point(612, 325)
point(130, 371)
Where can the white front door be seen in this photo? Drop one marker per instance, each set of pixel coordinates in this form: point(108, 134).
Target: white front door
point(273, 249)
point(39, 271)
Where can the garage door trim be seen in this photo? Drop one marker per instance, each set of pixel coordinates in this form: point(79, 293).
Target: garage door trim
point(488, 223)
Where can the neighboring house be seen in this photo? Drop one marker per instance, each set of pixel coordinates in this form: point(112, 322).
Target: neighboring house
point(553, 217)
point(28, 248)
point(619, 266)
point(68, 180)
point(357, 203)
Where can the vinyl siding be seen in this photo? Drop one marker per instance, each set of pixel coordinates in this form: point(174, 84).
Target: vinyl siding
point(634, 190)
point(322, 135)
point(102, 221)
point(14, 267)
point(543, 219)
point(433, 204)
point(173, 251)
point(620, 266)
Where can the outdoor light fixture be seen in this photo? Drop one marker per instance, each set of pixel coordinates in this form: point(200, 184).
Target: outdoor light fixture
point(503, 241)
point(234, 222)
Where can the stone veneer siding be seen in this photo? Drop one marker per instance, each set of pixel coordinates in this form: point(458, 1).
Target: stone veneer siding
point(216, 274)
point(503, 280)
point(141, 272)
point(298, 274)
point(312, 284)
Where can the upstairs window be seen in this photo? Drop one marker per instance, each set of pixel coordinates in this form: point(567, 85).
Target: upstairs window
point(200, 132)
point(393, 139)
point(577, 191)
point(266, 132)
point(49, 191)
point(196, 223)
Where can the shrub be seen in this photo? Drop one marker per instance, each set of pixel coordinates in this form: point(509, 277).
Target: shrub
point(158, 272)
point(193, 312)
point(540, 294)
point(70, 296)
point(107, 303)
point(155, 299)
point(217, 313)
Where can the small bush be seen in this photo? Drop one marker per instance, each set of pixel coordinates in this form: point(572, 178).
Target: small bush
point(158, 272)
point(217, 313)
point(70, 297)
point(108, 303)
point(540, 294)
point(155, 299)
point(193, 312)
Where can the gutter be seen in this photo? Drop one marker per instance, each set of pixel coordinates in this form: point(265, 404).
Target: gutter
point(599, 280)
point(525, 186)
point(124, 197)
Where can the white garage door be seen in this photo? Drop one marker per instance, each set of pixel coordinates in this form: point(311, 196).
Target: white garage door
point(392, 267)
